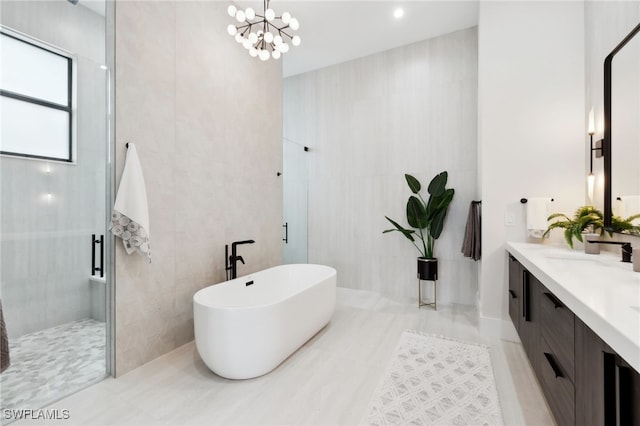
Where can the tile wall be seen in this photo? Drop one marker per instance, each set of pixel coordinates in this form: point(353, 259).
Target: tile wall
point(369, 121)
point(207, 123)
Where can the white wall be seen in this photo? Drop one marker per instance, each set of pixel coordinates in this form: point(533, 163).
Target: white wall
point(532, 127)
point(207, 123)
point(368, 121)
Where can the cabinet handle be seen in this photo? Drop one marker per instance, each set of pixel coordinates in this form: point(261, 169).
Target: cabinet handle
point(556, 370)
point(525, 296)
point(512, 294)
point(556, 303)
point(623, 392)
point(618, 392)
point(610, 389)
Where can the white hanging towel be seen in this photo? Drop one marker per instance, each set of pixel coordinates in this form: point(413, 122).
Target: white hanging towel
point(130, 217)
point(537, 213)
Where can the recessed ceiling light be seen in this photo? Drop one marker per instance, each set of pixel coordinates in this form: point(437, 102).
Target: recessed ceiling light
point(398, 13)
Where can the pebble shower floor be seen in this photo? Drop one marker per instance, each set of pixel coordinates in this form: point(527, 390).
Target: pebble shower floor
point(52, 363)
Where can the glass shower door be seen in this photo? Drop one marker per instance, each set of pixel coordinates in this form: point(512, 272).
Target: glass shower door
point(53, 200)
point(295, 191)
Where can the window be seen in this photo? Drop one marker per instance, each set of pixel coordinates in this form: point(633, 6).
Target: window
point(36, 100)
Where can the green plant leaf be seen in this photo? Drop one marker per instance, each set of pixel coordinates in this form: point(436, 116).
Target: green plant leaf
point(436, 204)
point(416, 213)
point(632, 218)
point(568, 236)
point(406, 232)
point(583, 218)
point(626, 225)
point(414, 184)
point(437, 224)
point(564, 224)
point(590, 219)
point(555, 215)
point(587, 211)
point(436, 187)
point(621, 225)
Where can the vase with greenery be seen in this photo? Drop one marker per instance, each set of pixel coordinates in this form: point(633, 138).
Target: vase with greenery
point(585, 219)
point(588, 220)
point(427, 218)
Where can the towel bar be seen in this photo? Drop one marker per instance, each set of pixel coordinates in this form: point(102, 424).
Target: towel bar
point(524, 200)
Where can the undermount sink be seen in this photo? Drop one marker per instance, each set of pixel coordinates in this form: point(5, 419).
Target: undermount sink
point(570, 256)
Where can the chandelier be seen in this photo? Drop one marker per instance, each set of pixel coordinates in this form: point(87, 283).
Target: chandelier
point(265, 36)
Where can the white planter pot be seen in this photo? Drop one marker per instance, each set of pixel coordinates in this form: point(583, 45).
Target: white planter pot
point(591, 248)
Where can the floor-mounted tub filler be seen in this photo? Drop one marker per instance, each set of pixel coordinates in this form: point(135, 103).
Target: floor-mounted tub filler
point(247, 326)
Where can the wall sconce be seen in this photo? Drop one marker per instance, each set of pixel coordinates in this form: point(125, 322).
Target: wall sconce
point(598, 148)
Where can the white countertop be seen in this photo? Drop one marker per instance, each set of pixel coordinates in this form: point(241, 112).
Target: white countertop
point(602, 291)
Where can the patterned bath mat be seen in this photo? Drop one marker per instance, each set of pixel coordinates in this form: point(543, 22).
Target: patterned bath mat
point(436, 381)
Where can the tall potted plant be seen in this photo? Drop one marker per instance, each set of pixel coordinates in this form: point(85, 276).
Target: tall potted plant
point(427, 219)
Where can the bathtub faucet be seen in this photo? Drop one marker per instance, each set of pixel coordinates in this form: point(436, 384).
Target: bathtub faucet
point(234, 258)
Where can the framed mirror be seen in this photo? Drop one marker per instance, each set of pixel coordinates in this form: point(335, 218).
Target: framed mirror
point(621, 147)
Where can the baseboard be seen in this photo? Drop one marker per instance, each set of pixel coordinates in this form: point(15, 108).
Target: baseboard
point(502, 329)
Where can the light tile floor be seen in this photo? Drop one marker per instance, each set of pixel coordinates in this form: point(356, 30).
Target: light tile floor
point(53, 363)
point(328, 381)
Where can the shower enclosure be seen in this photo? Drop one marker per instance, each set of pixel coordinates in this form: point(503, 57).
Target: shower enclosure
point(295, 197)
point(54, 195)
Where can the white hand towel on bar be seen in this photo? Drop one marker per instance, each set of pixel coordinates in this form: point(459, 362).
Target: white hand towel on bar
point(537, 213)
point(130, 217)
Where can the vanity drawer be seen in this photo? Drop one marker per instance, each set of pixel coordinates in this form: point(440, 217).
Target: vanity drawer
point(557, 387)
point(557, 323)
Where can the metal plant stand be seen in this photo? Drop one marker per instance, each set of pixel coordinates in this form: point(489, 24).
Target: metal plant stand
point(421, 302)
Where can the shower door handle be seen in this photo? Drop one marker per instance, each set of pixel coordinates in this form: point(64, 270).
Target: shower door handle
point(95, 241)
point(286, 232)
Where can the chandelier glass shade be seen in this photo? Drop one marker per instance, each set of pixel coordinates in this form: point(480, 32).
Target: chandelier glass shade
point(264, 36)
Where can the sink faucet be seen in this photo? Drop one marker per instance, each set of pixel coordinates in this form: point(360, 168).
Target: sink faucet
point(231, 261)
point(626, 248)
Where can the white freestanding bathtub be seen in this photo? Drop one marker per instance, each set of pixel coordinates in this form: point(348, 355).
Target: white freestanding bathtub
point(246, 327)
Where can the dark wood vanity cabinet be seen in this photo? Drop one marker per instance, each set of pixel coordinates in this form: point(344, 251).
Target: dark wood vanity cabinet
point(524, 292)
point(515, 290)
point(584, 381)
point(556, 357)
point(607, 388)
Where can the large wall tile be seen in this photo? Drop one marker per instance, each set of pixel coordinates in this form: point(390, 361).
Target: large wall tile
point(210, 161)
point(407, 110)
